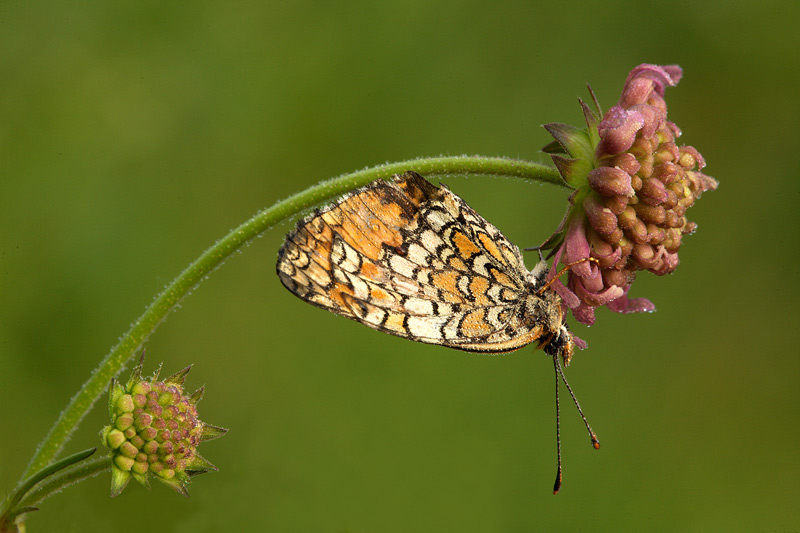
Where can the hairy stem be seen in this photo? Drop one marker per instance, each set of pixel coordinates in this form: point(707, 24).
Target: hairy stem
point(69, 476)
point(55, 477)
point(131, 342)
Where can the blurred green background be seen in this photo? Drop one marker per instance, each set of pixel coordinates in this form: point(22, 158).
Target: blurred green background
point(134, 136)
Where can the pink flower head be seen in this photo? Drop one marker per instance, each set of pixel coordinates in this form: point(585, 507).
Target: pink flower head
point(631, 195)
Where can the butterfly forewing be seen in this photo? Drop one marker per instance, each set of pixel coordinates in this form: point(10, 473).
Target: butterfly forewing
point(414, 260)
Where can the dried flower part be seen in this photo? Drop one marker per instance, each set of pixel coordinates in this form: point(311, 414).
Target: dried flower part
point(155, 430)
point(630, 208)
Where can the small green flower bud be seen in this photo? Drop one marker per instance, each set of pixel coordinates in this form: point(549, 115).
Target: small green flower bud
point(125, 404)
point(114, 439)
point(140, 467)
point(141, 388)
point(143, 420)
point(166, 398)
point(166, 447)
point(149, 434)
point(137, 441)
point(140, 400)
point(128, 449)
point(123, 463)
point(124, 421)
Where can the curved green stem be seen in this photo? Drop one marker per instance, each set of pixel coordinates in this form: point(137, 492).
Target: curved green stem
point(69, 476)
point(132, 340)
point(50, 479)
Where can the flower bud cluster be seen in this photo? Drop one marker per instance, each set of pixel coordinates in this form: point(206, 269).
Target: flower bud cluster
point(632, 202)
point(644, 182)
point(155, 430)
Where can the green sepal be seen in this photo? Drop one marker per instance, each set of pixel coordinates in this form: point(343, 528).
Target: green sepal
point(116, 391)
point(177, 484)
point(212, 432)
point(178, 377)
point(573, 171)
point(592, 119)
point(553, 147)
point(142, 478)
point(199, 465)
point(136, 373)
point(104, 435)
point(575, 141)
point(197, 395)
point(154, 377)
point(119, 480)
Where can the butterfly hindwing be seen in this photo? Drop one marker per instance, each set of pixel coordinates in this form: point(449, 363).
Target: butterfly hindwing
point(411, 259)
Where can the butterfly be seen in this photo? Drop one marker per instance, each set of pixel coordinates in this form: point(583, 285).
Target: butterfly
point(411, 259)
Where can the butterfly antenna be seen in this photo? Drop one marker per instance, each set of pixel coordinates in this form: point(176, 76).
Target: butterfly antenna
point(565, 269)
point(557, 484)
point(595, 443)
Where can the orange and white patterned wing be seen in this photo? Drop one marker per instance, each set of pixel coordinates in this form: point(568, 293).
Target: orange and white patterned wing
point(414, 260)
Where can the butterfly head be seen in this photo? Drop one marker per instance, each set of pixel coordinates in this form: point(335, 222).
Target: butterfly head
point(545, 306)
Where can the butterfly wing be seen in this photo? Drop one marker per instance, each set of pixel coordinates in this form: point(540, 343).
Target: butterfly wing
point(414, 260)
